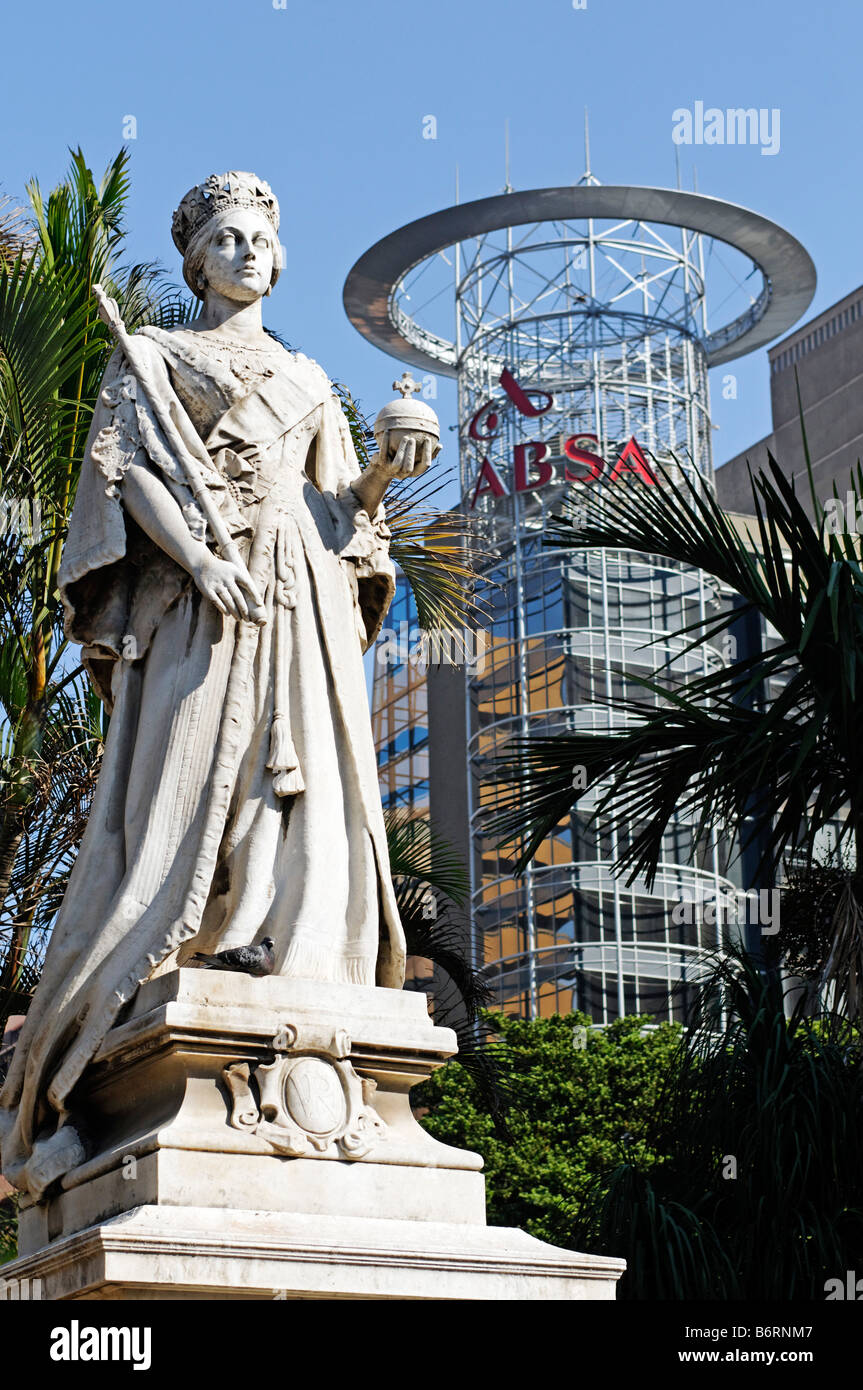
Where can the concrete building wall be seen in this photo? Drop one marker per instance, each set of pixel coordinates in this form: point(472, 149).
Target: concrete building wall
point(828, 355)
point(448, 768)
point(448, 795)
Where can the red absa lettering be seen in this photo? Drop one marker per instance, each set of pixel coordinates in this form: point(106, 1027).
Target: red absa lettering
point(527, 456)
point(520, 398)
point(491, 419)
point(488, 480)
point(632, 460)
point(593, 462)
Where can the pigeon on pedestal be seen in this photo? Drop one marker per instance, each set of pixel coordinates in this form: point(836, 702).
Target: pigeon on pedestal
point(245, 960)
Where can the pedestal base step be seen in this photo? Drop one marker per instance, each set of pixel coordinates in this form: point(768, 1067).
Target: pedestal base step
point(158, 1252)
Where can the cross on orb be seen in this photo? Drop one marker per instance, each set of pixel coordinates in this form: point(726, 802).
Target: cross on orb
point(407, 385)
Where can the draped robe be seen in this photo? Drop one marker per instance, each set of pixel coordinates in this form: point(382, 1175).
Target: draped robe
point(238, 794)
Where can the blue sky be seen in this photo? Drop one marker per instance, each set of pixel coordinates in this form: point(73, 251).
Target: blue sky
point(326, 101)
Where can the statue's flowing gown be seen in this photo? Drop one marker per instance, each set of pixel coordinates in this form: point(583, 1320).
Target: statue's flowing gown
point(238, 795)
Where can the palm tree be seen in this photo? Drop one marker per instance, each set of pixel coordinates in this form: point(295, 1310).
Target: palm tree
point(775, 771)
point(53, 351)
point(431, 886)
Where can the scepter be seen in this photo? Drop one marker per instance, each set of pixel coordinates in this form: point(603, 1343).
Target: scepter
point(191, 455)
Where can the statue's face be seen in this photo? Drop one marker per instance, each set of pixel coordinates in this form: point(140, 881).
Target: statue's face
point(238, 262)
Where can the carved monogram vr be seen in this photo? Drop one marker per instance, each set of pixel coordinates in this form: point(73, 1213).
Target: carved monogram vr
point(308, 1100)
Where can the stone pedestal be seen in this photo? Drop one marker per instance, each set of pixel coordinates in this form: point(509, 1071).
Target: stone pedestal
point(256, 1141)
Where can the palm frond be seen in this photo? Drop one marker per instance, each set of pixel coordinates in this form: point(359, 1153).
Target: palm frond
point(713, 750)
point(443, 942)
point(418, 852)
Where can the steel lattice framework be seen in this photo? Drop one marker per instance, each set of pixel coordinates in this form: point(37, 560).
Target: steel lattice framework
point(597, 297)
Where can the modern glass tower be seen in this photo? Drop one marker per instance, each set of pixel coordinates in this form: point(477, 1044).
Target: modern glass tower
point(581, 347)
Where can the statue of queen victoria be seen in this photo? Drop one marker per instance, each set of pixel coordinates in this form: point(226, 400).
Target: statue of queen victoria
point(225, 569)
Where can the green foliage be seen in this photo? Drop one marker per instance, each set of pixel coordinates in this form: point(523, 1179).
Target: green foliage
point(782, 1098)
point(722, 1161)
point(811, 900)
point(571, 1109)
point(8, 1229)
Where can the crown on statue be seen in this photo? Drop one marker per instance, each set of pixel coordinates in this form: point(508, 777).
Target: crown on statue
point(220, 193)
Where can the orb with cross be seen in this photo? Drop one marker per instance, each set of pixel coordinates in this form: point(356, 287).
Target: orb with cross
point(407, 419)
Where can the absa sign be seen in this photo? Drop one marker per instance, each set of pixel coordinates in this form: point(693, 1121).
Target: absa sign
point(532, 467)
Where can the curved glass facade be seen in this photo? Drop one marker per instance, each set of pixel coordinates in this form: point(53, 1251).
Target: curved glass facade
point(568, 629)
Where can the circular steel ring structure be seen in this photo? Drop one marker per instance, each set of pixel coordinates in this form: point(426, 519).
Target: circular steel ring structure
point(787, 268)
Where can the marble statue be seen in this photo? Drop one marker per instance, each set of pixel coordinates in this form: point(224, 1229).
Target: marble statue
point(226, 566)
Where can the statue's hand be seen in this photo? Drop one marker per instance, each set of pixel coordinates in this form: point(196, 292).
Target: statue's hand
point(410, 458)
point(225, 585)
